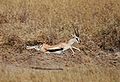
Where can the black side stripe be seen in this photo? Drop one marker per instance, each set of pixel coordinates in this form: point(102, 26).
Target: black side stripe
point(54, 50)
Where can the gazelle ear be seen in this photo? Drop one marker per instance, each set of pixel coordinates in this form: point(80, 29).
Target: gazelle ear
point(73, 35)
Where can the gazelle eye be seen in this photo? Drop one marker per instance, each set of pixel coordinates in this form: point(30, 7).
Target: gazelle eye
point(77, 39)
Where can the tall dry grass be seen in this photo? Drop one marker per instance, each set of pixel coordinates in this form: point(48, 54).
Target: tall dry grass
point(52, 21)
point(85, 73)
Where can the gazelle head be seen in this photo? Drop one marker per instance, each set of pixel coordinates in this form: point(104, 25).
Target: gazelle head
point(76, 38)
point(76, 34)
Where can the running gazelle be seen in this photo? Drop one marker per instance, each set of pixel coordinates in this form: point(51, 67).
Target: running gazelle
point(59, 48)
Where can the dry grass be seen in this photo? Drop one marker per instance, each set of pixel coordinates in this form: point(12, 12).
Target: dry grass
point(85, 73)
point(52, 21)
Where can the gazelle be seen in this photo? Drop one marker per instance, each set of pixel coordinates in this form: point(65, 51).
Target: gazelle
point(59, 48)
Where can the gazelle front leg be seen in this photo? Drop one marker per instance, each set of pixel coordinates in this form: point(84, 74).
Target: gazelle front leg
point(76, 48)
point(72, 50)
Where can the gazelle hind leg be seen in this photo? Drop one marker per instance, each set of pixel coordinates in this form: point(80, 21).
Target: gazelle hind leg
point(33, 47)
point(30, 47)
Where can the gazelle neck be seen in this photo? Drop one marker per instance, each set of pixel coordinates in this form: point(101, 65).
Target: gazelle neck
point(71, 41)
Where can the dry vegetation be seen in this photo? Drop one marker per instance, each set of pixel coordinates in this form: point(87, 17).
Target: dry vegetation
point(85, 73)
point(52, 21)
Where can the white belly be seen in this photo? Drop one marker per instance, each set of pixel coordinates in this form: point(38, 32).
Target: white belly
point(56, 52)
point(66, 48)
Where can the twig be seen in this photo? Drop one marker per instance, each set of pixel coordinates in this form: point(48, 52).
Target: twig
point(40, 68)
